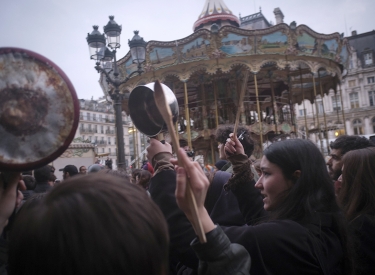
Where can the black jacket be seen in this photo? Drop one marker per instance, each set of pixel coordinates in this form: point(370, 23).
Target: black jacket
point(277, 247)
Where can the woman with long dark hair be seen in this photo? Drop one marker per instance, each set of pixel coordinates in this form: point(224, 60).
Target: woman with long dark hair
point(305, 231)
point(357, 199)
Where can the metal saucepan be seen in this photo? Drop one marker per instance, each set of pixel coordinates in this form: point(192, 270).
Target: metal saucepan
point(144, 112)
point(39, 110)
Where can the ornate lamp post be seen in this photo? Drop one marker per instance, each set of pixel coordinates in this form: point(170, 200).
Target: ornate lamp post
point(104, 64)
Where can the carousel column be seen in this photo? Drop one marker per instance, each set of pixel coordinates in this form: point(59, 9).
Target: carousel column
point(258, 107)
point(212, 152)
point(342, 111)
point(204, 108)
point(274, 104)
point(324, 113)
point(317, 115)
point(304, 106)
point(291, 106)
point(241, 104)
point(187, 116)
point(216, 105)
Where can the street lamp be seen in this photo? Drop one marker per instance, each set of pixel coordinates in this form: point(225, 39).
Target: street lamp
point(104, 64)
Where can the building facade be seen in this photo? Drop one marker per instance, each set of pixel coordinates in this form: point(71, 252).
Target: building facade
point(97, 126)
point(351, 108)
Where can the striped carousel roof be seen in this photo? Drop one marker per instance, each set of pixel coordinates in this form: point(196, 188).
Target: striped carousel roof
point(214, 10)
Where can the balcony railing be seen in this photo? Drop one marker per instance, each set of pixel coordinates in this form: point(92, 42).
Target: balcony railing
point(101, 143)
point(87, 131)
point(110, 132)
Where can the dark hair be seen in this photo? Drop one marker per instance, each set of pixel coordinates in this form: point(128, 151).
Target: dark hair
point(222, 133)
point(52, 177)
point(29, 182)
point(312, 192)
point(348, 143)
point(42, 174)
point(357, 195)
point(93, 224)
point(80, 168)
point(144, 179)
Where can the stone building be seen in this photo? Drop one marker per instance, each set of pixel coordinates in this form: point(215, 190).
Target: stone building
point(97, 126)
point(352, 109)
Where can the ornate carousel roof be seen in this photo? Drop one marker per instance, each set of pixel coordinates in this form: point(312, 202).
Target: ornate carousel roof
point(206, 70)
point(213, 11)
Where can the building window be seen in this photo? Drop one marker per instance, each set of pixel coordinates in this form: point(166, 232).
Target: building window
point(95, 129)
point(102, 150)
point(88, 116)
point(351, 83)
point(354, 101)
point(94, 117)
point(368, 58)
point(320, 106)
point(302, 112)
point(373, 125)
point(371, 80)
point(109, 150)
point(90, 138)
point(100, 118)
point(101, 129)
point(109, 140)
point(336, 103)
point(357, 125)
point(90, 127)
point(114, 141)
point(371, 97)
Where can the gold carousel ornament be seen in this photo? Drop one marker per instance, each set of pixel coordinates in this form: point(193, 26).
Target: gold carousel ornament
point(287, 65)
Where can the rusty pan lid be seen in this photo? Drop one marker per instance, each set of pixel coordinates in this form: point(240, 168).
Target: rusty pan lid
point(39, 110)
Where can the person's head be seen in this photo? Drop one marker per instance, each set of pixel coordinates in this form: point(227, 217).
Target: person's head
point(69, 171)
point(357, 194)
point(42, 174)
point(144, 179)
point(135, 176)
point(219, 164)
point(222, 134)
point(94, 224)
point(29, 181)
point(83, 170)
point(293, 186)
point(340, 147)
point(51, 180)
point(93, 168)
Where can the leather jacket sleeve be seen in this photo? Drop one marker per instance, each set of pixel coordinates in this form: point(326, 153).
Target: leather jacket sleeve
point(220, 256)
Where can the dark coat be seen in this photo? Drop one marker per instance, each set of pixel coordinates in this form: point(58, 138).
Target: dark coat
point(363, 228)
point(277, 247)
point(42, 187)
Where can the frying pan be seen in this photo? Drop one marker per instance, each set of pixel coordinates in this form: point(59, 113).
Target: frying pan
point(39, 110)
point(144, 112)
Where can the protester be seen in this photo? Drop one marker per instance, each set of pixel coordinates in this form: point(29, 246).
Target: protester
point(42, 176)
point(30, 184)
point(304, 232)
point(340, 147)
point(96, 224)
point(69, 171)
point(222, 133)
point(83, 170)
point(108, 163)
point(219, 164)
point(357, 199)
point(93, 168)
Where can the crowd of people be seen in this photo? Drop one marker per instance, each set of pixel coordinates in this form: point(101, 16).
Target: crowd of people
point(290, 212)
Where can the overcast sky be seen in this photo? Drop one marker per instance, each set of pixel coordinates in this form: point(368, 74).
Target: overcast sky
point(57, 29)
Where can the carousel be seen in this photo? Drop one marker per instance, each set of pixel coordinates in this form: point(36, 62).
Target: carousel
point(221, 69)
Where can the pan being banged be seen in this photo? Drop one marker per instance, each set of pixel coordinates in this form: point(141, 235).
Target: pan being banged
point(39, 110)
